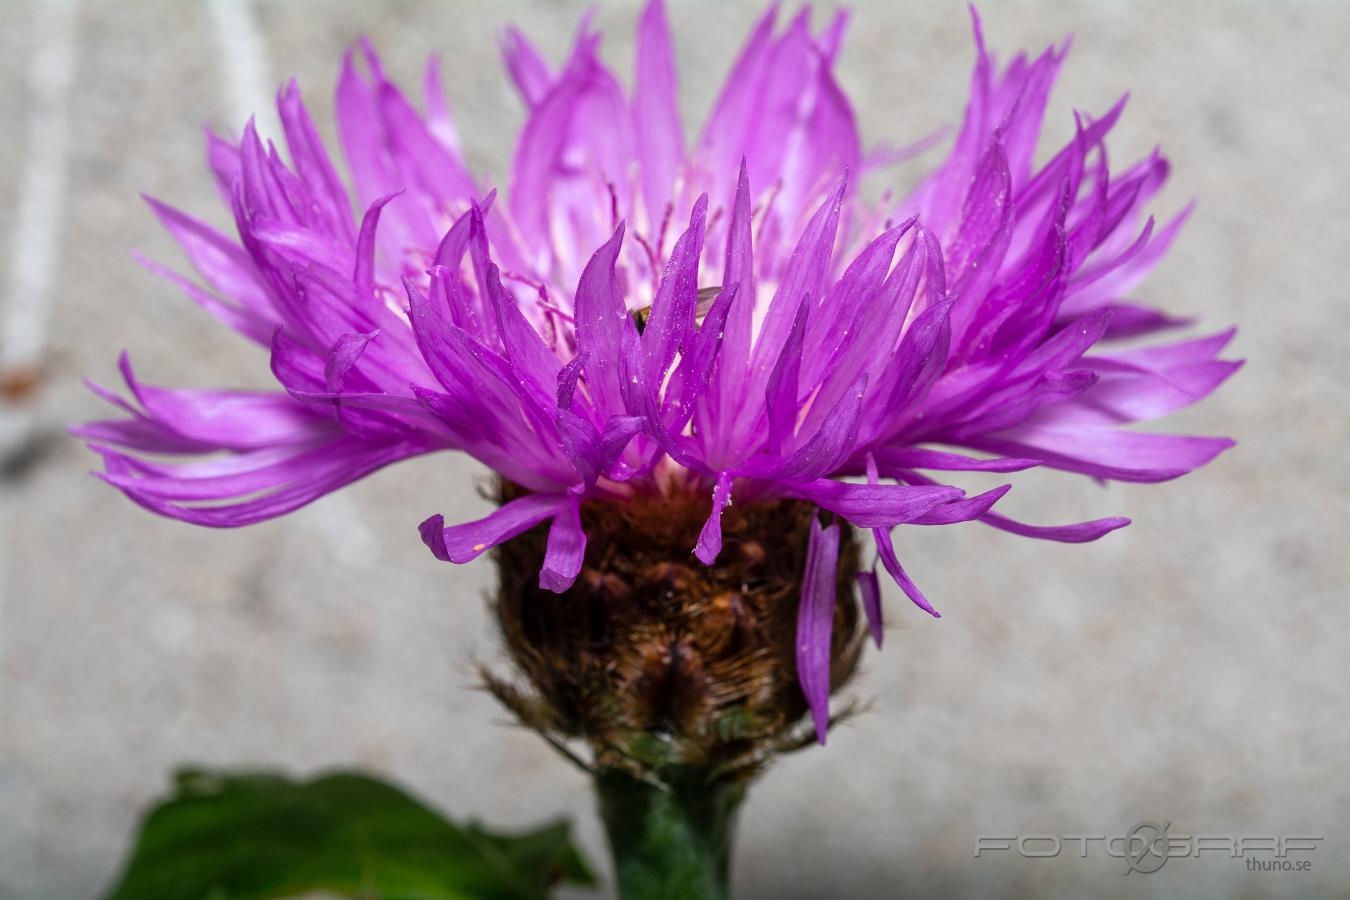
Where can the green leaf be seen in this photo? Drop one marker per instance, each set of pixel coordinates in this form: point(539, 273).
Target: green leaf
point(231, 836)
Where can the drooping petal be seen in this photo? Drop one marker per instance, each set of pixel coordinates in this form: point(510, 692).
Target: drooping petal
point(815, 621)
point(869, 589)
point(462, 543)
point(565, 550)
point(886, 551)
point(710, 537)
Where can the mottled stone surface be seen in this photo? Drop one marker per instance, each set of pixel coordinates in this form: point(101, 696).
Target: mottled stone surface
point(1191, 668)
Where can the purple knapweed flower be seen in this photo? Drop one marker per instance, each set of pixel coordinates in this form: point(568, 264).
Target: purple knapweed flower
point(644, 315)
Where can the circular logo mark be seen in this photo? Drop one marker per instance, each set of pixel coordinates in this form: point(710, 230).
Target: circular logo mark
point(1146, 847)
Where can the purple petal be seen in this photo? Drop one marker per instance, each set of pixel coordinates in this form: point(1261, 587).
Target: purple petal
point(710, 537)
point(835, 441)
point(1125, 398)
point(815, 621)
point(963, 510)
point(462, 543)
point(234, 420)
point(312, 162)
point(866, 344)
point(535, 366)
point(722, 136)
point(858, 310)
point(876, 505)
point(565, 206)
point(908, 375)
point(803, 276)
point(781, 392)
point(581, 442)
point(870, 590)
point(1161, 357)
point(693, 374)
point(289, 484)
point(364, 273)
point(886, 551)
point(344, 354)
point(724, 394)
point(243, 320)
point(893, 458)
point(568, 376)
point(672, 314)
point(566, 549)
point(366, 144)
point(976, 252)
point(440, 124)
point(222, 263)
point(656, 114)
point(1108, 452)
point(1078, 533)
point(602, 318)
point(532, 76)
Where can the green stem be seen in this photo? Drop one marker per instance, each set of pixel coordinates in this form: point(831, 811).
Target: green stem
point(670, 842)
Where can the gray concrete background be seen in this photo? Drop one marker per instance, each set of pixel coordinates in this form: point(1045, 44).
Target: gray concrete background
point(1191, 668)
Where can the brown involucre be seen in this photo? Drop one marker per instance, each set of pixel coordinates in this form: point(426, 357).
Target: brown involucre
point(657, 661)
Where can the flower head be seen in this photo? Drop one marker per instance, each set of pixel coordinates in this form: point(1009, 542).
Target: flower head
point(645, 315)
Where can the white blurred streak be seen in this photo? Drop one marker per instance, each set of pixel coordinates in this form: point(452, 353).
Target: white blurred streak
point(36, 226)
point(34, 239)
point(243, 65)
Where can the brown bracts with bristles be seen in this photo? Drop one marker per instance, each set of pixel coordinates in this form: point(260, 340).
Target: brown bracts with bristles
point(659, 663)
